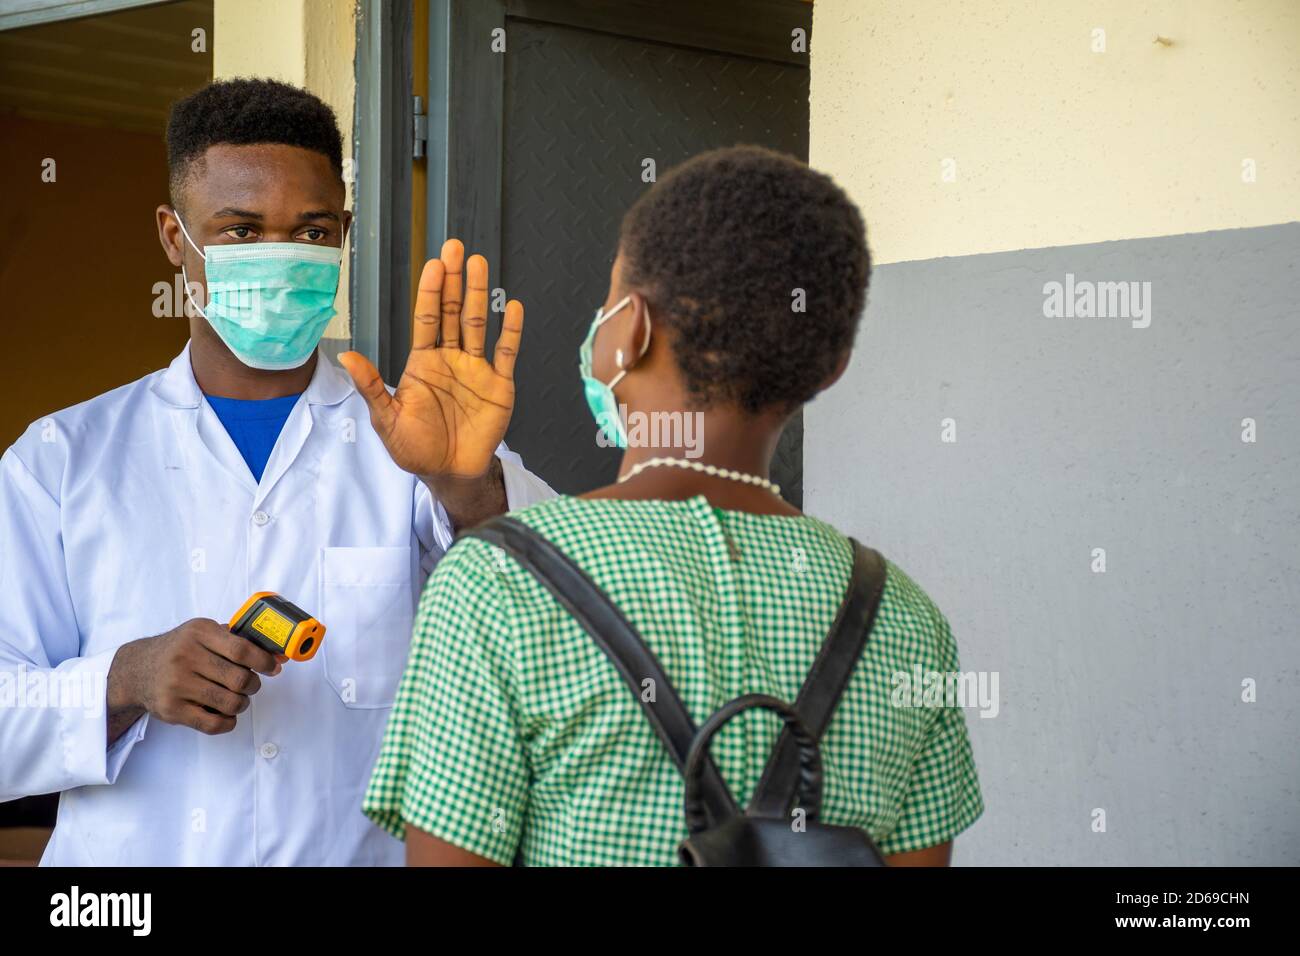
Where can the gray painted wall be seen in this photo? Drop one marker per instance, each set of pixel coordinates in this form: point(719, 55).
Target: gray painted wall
point(1119, 690)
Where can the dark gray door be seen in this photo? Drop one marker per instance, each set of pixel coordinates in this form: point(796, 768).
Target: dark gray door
point(586, 93)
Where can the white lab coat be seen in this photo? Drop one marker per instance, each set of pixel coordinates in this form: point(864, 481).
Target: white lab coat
point(124, 516)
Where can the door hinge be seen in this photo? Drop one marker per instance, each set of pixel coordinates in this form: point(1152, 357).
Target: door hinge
point(420, 129)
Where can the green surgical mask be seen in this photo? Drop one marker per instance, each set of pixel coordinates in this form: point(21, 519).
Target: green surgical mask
point(599, 395)
point(269, 301)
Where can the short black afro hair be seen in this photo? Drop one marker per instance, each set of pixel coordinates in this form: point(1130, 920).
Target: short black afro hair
point(242, 112)
point(728, 248)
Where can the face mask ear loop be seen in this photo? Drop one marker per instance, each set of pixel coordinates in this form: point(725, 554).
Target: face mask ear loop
point(186, 280)
point(184, 277)
point(645, 346)
point(342, 257)
point(602, 316)
point(186, 233)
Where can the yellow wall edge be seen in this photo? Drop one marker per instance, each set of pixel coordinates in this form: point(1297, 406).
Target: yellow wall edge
point(969, 126)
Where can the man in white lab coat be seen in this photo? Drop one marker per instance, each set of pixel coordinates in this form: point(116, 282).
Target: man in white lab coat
point(133, 525)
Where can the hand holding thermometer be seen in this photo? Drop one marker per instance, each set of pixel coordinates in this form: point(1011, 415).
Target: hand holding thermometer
point(278, 626)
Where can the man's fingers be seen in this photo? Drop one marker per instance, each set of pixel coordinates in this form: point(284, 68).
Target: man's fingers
point(215, 697)
point(473, 323)
point(234, 677)
point(239, 650)
point(193, 715)
point(507, 348)
point(453, 262)
point(371, 386)
point(428, 307)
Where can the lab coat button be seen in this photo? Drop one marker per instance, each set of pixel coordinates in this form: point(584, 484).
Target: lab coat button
point(260, 518)
point(269, 750)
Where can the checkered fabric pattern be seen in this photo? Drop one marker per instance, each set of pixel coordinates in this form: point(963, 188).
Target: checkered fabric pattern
point(514, 737)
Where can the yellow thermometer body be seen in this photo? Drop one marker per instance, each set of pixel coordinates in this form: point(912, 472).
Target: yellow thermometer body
point(278, 626)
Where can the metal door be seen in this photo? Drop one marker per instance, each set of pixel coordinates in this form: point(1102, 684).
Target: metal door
point(553, 108)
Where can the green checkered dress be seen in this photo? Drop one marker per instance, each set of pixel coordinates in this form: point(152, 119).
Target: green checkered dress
point(514, 737)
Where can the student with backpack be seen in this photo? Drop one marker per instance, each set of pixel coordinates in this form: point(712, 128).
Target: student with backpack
point(681, 667)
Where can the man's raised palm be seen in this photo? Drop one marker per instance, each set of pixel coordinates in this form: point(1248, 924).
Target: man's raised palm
point(451, 407)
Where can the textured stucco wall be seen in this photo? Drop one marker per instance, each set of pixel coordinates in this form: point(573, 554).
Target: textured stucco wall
point(309, 43)
point(1119, 690)
point(1051, 143)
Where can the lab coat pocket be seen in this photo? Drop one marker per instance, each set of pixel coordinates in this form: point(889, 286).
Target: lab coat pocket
point(367, 607)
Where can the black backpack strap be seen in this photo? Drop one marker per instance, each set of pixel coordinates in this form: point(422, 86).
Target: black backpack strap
point(612, 632)
point(830, 673)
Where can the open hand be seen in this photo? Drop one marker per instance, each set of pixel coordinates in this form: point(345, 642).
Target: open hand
point(451, 407)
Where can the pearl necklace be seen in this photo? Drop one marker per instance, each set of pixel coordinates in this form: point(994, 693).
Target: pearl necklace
point(707, 469)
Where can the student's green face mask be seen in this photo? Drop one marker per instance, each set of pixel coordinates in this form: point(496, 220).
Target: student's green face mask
point(600, 395)
point(268, 301)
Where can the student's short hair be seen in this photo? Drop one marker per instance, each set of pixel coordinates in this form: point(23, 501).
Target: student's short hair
point(759, 266)
point(242, 112)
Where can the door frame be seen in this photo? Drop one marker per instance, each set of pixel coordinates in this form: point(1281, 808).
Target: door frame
point(383, 137)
